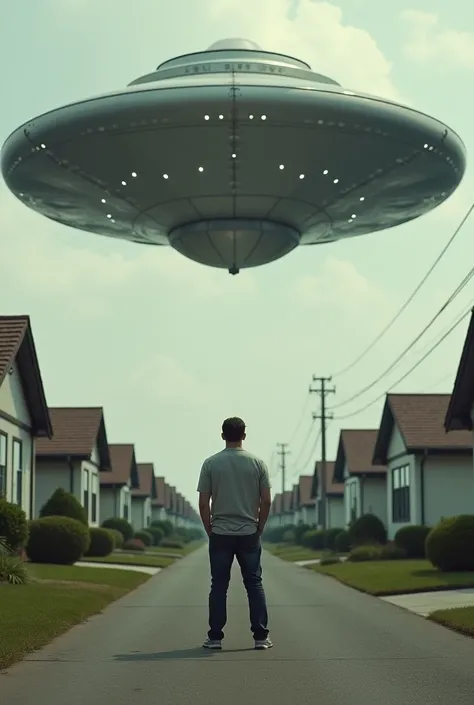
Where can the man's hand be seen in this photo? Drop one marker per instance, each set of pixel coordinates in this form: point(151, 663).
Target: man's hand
point(208, 530)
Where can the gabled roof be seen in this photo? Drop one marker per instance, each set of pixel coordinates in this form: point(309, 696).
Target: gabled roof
point(355, 450)
point(76, 431)
point(17, 346)
point(159, 500)
point(307, 499)
point(123, 466)
point(420, 420)
point(146, 481)
point(333, 488)
point(458, 414)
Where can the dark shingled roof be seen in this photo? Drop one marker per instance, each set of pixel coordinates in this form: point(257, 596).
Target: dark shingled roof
point(17, 346)
point(420, 420)
point(146, 481)
point(458, 414)
point(123, 466)
point(159, 501)
point(76, 430)
point(333, 488)
point(356, 450)
point(306, 487)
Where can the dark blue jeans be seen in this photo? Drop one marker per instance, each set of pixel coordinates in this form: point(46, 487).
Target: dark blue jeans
point(248, 551)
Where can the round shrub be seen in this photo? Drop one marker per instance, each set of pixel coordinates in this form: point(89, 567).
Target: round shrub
point(13, 525)
point(117, 537)
point(300, 531)
point(314, 539)
point(121, 525)
point(367, 529)
point(164, 524)
point(331, 535)
point(59, 540)
point(365, 553)
point(64, 504)
point(171, 543)
point(330, 559)
point(412, 539)
point(157, 534)
point(102, 542)
point(450, 544)
point(391, 552)
point(144, 536)
point(289, 536)
point(275, 534)
point(134, 545)
point(342, 543)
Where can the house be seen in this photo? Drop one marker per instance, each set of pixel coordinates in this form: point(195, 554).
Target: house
point(158, 512)
point(306, 503)
point(116, 485)
point(73, 458)
point(297, 512)
point(275, 516)
point(335, 511)
point(287, 507)
point(179, 509)
point(172, 512)
point(429, 472)
point(365, 481)
point(143, 496)
point(24, 415)
point(460, 411)
point(168, 502)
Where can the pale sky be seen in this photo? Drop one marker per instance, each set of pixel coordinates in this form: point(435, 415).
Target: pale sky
point(169, 347)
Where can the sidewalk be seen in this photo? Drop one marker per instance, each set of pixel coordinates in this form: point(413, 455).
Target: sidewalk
point(424, 603)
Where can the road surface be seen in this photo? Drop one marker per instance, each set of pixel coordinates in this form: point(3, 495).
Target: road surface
point(333, 646)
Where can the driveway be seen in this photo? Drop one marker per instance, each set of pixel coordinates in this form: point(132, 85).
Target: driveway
point(333, 646)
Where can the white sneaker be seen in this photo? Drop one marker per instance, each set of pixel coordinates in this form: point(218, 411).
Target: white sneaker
point(214, 644)
point(262, 644)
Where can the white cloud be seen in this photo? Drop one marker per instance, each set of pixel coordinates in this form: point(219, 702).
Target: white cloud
point(165, 379)
point(429, 41)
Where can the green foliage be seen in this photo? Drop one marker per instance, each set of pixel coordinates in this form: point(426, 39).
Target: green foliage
point(367, 529)
point(314, 539)
point(12, 569)
point(289, 536)
point(342, 542)
point(331, 536)
point(275, 533)
point(64, 504)
point(300, 530)
point(102, 542)
point(412, 539)
point(13, 524)
point(389, 552)
point(117, 537)
point(450, 544)
point(157, 534)
point(330, 559)
point(164, 524)
point(134, 545)
point(57, 539)
point(121, 525)
point(172, 543)
point(145, 536)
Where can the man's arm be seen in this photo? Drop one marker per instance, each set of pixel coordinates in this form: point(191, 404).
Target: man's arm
point(205, 493)
point(265, 499)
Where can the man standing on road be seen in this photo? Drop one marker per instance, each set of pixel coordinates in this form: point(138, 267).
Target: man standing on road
point(237, 485)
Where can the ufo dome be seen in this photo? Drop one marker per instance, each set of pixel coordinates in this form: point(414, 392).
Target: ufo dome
point(234, 156)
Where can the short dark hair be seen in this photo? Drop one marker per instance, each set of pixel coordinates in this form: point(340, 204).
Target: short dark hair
point(233, 429)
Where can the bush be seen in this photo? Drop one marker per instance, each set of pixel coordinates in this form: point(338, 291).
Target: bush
point(390, 552)
point(134, 545)
point(314, 539)
point(330, 559)
point(12, 568)
point(300, 530)
point(343, 542)
point(121, 525)
point(157, 534)
point(59, 540)
point(367, 529)
point(172, 543)
point(276, 533)
point(163, 524)
point(102, 542)
point(331, 536)
point(13, 524)
point(289, 536)
point(450, 544)
point(117, 537)
point(145, 536)
point(64, 504)
point(412, 539)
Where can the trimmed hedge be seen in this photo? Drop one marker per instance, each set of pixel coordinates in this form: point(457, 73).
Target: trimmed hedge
point(450, 544)
point(157, 534)
point(165, 525)
point(102, 542)
point(145, 536)
point(343, 542)
point(331, 536)
point(121, 525)
point(314, 539)
point(59, 540)
point(367, 529)
point(134, 545)
point(64, 504)
point(300, 530)
point(13, 525)
point(172, 543)
point(117, 537)
point(376, 553)
point(412, 539)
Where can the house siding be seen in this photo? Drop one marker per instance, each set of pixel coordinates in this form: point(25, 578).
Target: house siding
point(141, 512)
point(90, 471)
point(374, 497)
point(13, 403)
point(158, 514)
point(110, 502)
point(335, 512)
point(351, 498)
point(448, 487)
point(51, 474)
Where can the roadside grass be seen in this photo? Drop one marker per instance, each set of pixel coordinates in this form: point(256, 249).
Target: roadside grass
point(184, 551)
point(291, 552)
point(459, 619)
point(58, 598)
point(395, 577)
point(135, 559)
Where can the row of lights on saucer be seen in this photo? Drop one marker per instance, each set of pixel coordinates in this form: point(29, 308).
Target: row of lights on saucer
point(221, 117)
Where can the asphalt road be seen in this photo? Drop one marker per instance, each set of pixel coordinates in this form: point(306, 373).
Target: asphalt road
point(333, 646)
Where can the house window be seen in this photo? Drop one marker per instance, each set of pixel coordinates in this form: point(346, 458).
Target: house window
point(18, 469)
point(94, 499)
point(125, 510)
point(401, 494)
point(3, 465)
point(85, 500)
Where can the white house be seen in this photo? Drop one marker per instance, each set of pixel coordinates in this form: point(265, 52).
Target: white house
point(158, 511)
point(73, 458)
point(24, 415)
point(116, 486)
point(143, 496)
point(429, 472)
point(335, 511)
point(365, 482)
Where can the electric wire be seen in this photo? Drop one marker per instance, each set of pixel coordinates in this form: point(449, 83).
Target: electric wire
point(409, 299)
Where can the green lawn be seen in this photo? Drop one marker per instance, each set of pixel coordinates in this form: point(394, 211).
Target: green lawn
point(460, 619)
point(58, 598)
point(395, 577)
point(188, 548)
point(136, 559)
point(290, 552)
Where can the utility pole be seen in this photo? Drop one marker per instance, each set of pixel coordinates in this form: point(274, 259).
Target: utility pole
point(283, 452)
point(323, 391)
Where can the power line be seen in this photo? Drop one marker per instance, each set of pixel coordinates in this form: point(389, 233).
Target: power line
point(311, 454)
point(300, 421)
point(322, 390)
point(450, 299)
point(412, 369)
point(409, 299)
point(303, 446)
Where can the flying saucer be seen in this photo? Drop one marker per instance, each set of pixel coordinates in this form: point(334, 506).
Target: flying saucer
point(233, 156)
